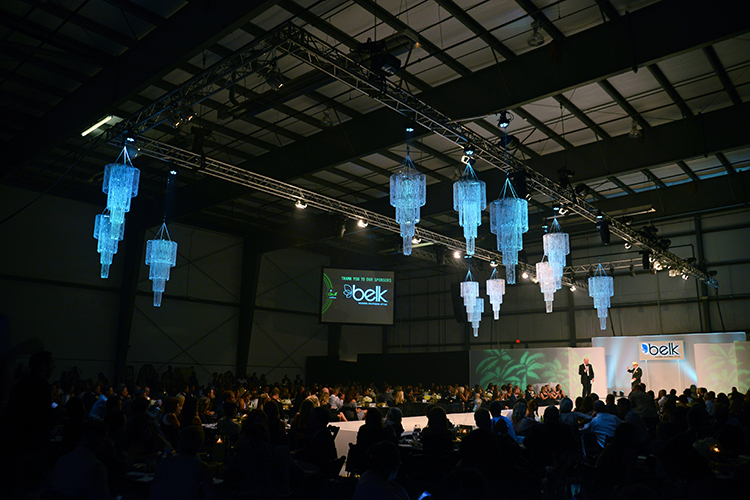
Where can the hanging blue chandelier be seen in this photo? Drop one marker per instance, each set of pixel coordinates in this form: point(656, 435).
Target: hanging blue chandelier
point(556, 248)
point(495, 289)
point(601, 288)
point(469, 199)
point(408, 194)
point(547, 282)
point(106, 245)
point(161, 255)
point(120, 185)
point(509, 219)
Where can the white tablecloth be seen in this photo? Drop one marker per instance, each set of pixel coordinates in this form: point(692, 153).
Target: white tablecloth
point(348, 430)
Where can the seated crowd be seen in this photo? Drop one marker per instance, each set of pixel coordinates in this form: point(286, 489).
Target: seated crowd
point(80, 438)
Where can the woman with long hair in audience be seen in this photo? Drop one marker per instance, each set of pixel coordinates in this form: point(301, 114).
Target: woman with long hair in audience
point(169, 421)
point(189, 412)
point(521, 423)
point(276, 426)
point(436, 438)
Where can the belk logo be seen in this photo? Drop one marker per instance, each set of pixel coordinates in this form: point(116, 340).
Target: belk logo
point(365, 294)
point(662, 350)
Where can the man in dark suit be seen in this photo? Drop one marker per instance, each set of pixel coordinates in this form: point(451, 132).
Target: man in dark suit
point(586, 371)
point(636, 372)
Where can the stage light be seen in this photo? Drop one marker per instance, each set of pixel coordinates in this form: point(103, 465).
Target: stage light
point(362, 223)
point(300, 204)
point(504, 119)
point(573, 288)
point(415, 241)
point(409, 129)
point(493, 263)
point(685, 276)
point(525, 275)
point(456, 254)
point(628, 245)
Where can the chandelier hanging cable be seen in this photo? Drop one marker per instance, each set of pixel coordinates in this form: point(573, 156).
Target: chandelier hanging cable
point(469, 199)
point(408, 194)
point(120, 185)
point(509, 219)
point(161, 255)
point(495, 289)
point(556, 248)
point(601, 288)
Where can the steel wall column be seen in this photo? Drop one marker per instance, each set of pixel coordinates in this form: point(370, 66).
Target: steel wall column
point(251, 260)
point(703, 293)
point(334, 340)
point(133, 256)
point(572, 320)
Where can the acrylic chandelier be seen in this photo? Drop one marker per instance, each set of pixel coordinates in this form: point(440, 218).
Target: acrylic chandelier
point(120, 185)
point(469, 199)
point(106, 244)
point(473, 303)
point(408, 194)
point(547, 282)
point(509, 219)
point(161, 256)
point(495, 289)
point(556, 248)
point(601, 288)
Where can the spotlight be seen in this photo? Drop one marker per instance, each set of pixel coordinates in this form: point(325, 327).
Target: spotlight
point(646, 259)
point(525, 275)
point(133, 151)
point(685, 276)
point(573, 288)
point(467, 160)
point(301, 204)
point(456, 254)
point(409, 129)
point(468, 150)
point(628, 245)
point(535, 39)
point(635, 131)
point(493, 263)
point(415, 241)
point(272, 74)
point(627, 220)
point(362, 223)
point(658, 265)
point(504, 119)
point(385, 64)
point(583, 190)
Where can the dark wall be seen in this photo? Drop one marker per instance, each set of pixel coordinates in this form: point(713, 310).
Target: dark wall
point(395, 369)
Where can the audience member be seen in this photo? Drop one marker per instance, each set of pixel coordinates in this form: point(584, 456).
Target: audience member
point(183, 476)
